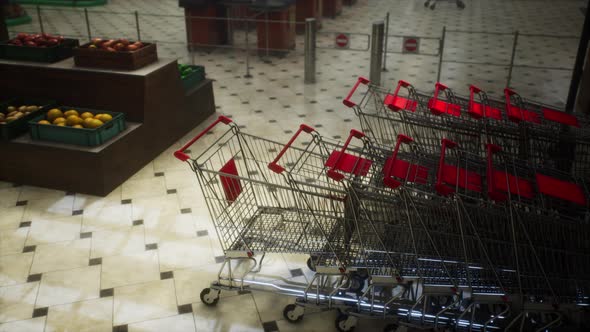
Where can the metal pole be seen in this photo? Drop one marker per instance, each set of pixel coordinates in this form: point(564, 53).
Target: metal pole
point(310, 44)
point(579, 65)
point(137, 25)
point(509, 81)
point(441, 51)
point(386, 42)
point(87, 24)
point(40, 19)
point(247, 52)
point(377, 51)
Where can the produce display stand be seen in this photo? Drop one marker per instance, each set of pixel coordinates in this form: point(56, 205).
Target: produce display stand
point(205, 23)
point(157, 109)
point(308, 9)
point(332, 8)
point(98, 58)
point(66, 3)
point(25, 19)
point(275, 37)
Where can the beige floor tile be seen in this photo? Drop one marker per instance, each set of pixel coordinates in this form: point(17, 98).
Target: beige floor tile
point(50, 207)
point(185, 253)
point(144, 188)
point(12, 241)
point(9, 196)
point(154, 207)
point(118, 241)
point(10, 217)
point(129, 269)
point(61, 256)
point(191, 281)
point(14, 269)
point(270, 306)
point(110, 215)
point(234, 314)
point(179, 178)
point(191, 196)
point(50, 230)
point(68, 286)
point(146, 172)
point(169, 228)
point(83, 201)
point(141, 302)
point(17, 302)
point(28, 325)
point(30, 193)
point(86, 316)
point(315, 322)
point(202, 216)
point(179, 323)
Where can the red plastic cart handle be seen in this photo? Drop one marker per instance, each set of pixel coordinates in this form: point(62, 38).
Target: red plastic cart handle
point(388, 180)
point(396, 103)
point(472, 91)
point(332, 173)
point(440, 187)
point(492, 193)
point(179, 154)
point(273, 166)
point(349, 103)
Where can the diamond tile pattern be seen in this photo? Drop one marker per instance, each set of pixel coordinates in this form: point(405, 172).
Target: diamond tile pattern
point(137, 259)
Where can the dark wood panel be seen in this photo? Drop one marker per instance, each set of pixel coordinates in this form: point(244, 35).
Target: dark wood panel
point(167, 113)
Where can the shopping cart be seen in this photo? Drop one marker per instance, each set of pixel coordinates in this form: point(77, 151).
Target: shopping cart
point(530, 131)
point(485, 236)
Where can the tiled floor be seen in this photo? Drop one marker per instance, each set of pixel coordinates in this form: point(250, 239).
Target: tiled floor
point(137, 259)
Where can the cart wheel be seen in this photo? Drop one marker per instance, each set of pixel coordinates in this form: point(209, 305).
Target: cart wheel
point(344, 324)
point(357, 283)
point(311, 264)
point(291, 313)
point(208, 298)
point(363, 273)
point(391, 327)
point(433, 6)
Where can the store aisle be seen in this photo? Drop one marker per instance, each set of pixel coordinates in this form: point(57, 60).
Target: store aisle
point(137, 259)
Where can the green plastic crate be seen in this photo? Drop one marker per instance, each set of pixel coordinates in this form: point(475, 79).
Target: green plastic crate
point(194, 78)
point(78, 136)
point(39, 54)
point(15, 128)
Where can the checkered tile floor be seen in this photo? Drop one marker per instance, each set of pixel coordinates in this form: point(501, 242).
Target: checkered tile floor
point(137, 259)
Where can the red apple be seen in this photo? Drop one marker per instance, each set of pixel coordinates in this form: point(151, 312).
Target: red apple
point(110, 49)
point(30, 43)
point(124, 41)
point(22, 35)
point(96, 41)
point(52, 42)
point(132, 48)
point(138, 44)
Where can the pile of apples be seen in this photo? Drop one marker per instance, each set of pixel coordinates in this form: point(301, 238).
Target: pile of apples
point(115, 45)
point(36, 40)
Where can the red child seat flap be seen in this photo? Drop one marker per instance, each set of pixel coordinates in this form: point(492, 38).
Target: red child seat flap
point(560, 189)
point(349, 163)
point(231, 186)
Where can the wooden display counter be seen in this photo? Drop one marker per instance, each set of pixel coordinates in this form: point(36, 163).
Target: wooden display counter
point(157, 108)
point(308, 9)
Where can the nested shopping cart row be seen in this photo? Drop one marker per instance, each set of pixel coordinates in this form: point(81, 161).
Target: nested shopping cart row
point(527, 130)
point(342, 205)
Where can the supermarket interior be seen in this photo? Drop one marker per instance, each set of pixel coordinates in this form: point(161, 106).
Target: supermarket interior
point(294, 165)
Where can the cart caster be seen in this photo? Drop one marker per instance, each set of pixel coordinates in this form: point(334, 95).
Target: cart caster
point(345, 323)
point(311, 264)
point(433, 6)
point(209, 296)
point(391, 327)
point(357, 283)
point(293, 313)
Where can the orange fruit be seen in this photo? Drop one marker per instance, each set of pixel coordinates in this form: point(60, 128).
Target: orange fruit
point(59, 120)
point(86, 115)
point(74, 120)
point(77, 126)
point(104, 117)
point(70, 112)
point(53, 114)
point(44, 122)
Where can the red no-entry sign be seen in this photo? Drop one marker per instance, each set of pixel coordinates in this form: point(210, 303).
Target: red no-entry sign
point(411, 45)
point(342, 40)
